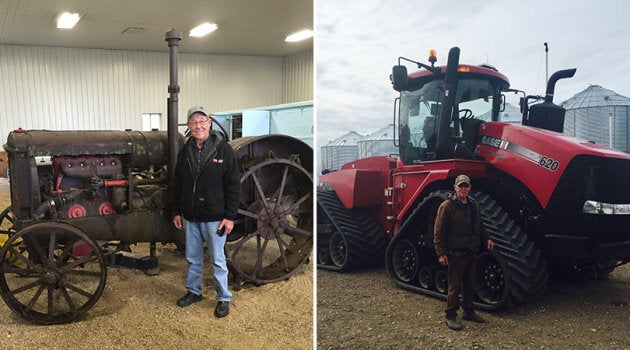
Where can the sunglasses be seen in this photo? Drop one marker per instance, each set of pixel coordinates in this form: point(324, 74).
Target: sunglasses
point(464, 185)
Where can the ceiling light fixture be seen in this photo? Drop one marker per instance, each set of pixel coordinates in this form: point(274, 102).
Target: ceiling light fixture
point(301, 35)
point(203, 29)
point(67, 20)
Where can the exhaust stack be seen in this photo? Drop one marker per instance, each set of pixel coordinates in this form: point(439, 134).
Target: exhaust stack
point(172, 37)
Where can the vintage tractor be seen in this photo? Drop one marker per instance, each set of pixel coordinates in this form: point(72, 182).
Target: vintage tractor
point(552, 203)
point(81, 199)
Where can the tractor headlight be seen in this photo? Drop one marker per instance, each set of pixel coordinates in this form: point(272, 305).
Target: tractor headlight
point(594, 207)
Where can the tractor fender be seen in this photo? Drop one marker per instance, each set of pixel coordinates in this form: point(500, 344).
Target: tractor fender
point(360, 183)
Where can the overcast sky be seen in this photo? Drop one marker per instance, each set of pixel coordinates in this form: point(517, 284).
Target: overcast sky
point(358, 42)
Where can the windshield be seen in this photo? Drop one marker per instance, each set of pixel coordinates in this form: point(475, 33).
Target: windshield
point(421, 108)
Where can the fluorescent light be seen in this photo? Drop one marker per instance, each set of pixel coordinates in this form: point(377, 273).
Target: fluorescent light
point(67, 20)
point(301, 35)
point(203, 29)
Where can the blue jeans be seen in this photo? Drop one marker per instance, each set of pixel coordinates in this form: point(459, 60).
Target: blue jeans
point(196, 234)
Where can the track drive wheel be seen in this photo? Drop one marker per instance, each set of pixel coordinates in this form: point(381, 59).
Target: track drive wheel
point(441, 281)
point(50, 283)
point(405, 260)
point(425, 277)
point(338, 249)
point(489, 279)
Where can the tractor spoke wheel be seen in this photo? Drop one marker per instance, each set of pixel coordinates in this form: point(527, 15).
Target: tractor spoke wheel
point(7, 229)
point(7, 223)
point(273, 235)
point(48, 283)
point(405, 261)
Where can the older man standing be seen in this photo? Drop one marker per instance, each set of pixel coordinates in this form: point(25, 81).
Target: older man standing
point(206, 188)
point(458, 234)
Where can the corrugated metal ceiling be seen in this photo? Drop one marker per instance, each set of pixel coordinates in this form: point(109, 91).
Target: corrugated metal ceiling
point(246, 27)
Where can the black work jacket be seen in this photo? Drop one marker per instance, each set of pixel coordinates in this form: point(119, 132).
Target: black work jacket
point(454, 230)
point(211, 191)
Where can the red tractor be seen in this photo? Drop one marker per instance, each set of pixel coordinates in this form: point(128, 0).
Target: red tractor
point(552, 203)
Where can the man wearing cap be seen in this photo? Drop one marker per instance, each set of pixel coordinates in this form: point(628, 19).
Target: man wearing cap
point(206, 190)
point(458, 235)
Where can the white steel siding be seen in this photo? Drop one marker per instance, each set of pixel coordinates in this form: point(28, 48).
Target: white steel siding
point(90, 89)
point(298, 77)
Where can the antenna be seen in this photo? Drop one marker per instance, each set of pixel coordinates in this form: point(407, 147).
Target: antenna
point(546, 63)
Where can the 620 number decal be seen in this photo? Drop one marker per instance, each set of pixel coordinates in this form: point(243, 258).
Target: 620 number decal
point(549, 163)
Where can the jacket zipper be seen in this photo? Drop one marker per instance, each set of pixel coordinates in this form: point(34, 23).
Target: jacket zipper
point(194, 188)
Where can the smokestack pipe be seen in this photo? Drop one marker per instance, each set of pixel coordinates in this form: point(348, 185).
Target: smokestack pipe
point(172, 37)
point(551, 84)
point(445, 145)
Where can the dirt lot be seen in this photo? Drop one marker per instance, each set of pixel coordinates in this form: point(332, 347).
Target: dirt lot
point(365, 310)
point(137, 311)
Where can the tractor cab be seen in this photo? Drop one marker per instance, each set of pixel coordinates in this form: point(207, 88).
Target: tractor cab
point(433, 111)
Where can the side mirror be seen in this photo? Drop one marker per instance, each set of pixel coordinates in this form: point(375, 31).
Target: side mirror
point(399, 78)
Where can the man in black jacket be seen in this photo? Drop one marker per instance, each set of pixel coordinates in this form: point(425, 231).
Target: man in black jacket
point(458, 235)
point(206, 188)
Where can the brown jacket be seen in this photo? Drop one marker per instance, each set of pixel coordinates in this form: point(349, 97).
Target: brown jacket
point(453, 230)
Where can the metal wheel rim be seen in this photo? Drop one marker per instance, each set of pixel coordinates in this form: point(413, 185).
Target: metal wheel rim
point(323, 256)
point(489, 281)
point(425, 277)
point(405, 261)
point(338, 249)
point(275, 224)
point(49, 284)
point(441, 281)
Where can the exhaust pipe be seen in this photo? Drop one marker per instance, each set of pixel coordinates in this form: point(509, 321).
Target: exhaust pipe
point(172, 37)
point(551, 84)
point(547, 115)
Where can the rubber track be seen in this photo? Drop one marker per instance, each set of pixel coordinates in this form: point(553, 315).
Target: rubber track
point(526, 268)
point(365, 239)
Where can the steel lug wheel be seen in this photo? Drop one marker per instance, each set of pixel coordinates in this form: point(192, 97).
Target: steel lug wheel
point(274, 232)
point(51, 281)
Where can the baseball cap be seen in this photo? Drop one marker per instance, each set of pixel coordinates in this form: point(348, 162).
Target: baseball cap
point(197, 109)
point(462, 179)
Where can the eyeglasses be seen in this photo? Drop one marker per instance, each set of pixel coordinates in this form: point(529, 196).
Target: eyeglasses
point(464, 185)
point(198, 122)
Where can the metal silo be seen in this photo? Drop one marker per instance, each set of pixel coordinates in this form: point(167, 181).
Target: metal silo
point(594, 112)
point(339, 151)
point(511, 114)
point(378, 143)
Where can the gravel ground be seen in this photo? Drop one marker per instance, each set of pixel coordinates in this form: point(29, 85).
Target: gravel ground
point(137, 311)
point(365, 310)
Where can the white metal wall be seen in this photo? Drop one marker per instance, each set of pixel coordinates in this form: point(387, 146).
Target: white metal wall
point(87, 89)
point(298, 78)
